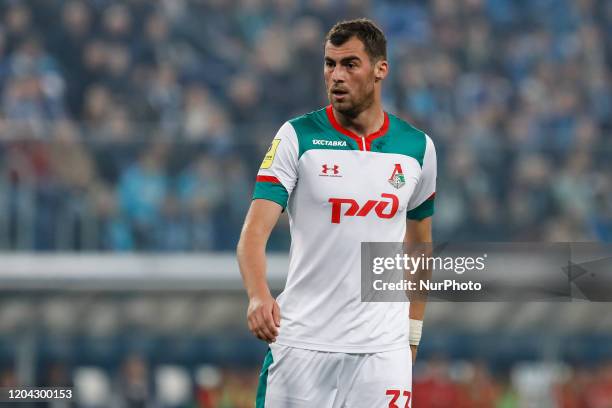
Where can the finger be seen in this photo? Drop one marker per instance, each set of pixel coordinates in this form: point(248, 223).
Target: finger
point(252, 322)
point(276, 314)
point(255, 332)
point(259, 335)
point(263, 336)
point(261, 326)
point(270, 324)
point(252, 326)
point(267, 326)
point(265, 329)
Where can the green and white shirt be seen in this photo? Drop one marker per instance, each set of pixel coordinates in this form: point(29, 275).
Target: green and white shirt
point(339, 190)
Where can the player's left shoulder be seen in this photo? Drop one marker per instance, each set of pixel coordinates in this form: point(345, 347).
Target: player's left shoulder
point(407, 139)
point(403, 128)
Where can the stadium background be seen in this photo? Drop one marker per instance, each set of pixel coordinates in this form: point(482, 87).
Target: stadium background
point(130, 135)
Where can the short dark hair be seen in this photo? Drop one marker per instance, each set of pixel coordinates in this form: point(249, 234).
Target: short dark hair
point(366, 31)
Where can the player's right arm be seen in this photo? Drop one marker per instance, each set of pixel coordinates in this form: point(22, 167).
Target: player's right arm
point(263, 315)
point(275, 181)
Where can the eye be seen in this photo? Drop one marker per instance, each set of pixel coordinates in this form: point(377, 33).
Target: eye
point(351, 65)
point(329, 64)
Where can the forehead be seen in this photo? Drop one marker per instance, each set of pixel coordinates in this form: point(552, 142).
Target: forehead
point(352, 47)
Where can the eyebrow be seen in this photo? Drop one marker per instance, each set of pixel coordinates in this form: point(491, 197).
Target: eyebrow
point(345, 60)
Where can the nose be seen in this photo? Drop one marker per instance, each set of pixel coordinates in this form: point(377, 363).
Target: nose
point(337, 74)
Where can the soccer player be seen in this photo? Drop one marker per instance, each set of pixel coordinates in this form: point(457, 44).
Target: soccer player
point(346, 174)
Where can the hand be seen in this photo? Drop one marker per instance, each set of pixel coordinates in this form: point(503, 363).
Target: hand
point(413, 349)
point(263, 317)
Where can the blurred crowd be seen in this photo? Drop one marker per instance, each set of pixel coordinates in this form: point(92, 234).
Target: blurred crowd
point(137, 125)
point(438, 384)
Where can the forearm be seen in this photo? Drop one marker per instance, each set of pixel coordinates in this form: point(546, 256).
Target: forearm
point(263, 314)
point(418, 300)
point(417, 309)
point(417, 314)
point(251, 254)
point(418, 243)
point(251, 250)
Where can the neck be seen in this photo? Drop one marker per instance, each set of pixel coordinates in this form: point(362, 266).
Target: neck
point(365, 122)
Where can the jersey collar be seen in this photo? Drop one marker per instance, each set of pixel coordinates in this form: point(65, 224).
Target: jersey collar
point(365, 143)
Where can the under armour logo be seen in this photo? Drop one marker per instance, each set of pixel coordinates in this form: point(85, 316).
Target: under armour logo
point(327, 168)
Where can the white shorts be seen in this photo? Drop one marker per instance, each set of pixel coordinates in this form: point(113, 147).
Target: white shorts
point(299, 378)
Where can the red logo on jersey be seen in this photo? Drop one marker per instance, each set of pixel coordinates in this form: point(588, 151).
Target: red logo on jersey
point(355, 210)
point(397, 178)
point(335, 169)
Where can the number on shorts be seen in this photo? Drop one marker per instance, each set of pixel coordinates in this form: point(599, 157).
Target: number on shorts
point(396, 394)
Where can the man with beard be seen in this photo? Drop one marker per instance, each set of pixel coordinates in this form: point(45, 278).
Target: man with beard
point(348, 173)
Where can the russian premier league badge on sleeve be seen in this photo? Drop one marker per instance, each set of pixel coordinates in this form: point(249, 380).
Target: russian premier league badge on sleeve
point(269, 157)
point(397, 178)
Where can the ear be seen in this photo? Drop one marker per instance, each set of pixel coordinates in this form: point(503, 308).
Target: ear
point(381, 69)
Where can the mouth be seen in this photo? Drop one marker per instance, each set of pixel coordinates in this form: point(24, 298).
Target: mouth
point(339, 93)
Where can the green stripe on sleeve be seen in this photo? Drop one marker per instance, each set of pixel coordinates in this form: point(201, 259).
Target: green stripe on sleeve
point(271, 191)
point(263, 381)
point(424, 210)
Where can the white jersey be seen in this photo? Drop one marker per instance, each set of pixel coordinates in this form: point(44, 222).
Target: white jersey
point(340, 190)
